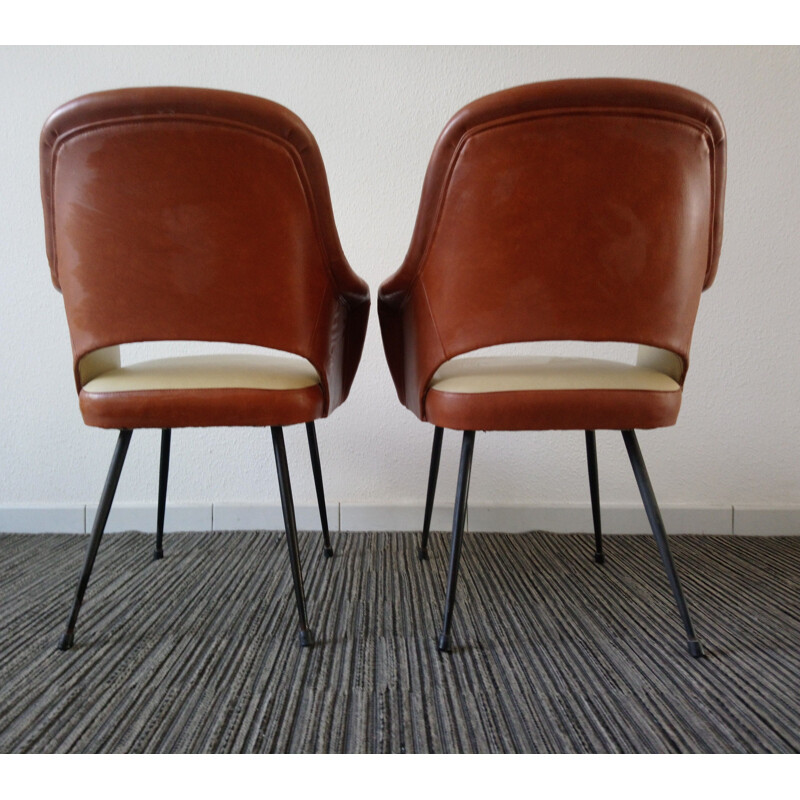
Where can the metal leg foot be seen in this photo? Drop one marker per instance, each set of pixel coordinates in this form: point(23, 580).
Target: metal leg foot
point(316, 468)
point(306, 638)
point(445, 643)
point(459, 518)
point(433, 474)
point(103, 509)
point(696, 649)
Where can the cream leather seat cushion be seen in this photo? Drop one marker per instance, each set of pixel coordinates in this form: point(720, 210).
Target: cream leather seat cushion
point(228, 371)
point(531, 373)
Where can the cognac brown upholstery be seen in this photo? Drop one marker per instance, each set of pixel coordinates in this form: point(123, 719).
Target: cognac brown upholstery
point(586, 210)
point(192, 214)
point(580, 210)
point(177, 214)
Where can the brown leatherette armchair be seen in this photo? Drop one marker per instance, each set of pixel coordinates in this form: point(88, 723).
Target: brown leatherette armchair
point(175, 214)
point(583, 210)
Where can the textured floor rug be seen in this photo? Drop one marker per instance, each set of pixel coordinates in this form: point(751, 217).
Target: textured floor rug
point(198, 652)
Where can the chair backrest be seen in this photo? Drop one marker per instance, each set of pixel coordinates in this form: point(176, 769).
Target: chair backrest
point(188, 214)
point(572, 210)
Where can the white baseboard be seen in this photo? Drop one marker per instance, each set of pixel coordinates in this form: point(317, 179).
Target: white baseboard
point(43, 519)
point(243, 517)
point(740, 520)
point(178, 517)
point(557, 519)
point(363, 517)
point(141, 517)
point(677, 519)
point(755, 520)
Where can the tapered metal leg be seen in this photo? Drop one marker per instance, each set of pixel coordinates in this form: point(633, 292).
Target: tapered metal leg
point(103, 509)
point(436, 453)
point(459, 518)
point(306, 638)
point(327, 550)
point(660, 534)
point(163, 474)
point(594, 490)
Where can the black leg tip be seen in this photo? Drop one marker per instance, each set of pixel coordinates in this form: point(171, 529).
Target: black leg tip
point(158, 554)
point(696, 649)
point(422, 553)
point(306, 638)
point(445, 642)
point(327, 552)
point(599, 558)
point(66, 641)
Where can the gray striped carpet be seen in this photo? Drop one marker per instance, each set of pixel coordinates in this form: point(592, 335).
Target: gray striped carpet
point(198, 653)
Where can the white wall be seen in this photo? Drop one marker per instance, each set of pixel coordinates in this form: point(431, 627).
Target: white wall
point(376, 113)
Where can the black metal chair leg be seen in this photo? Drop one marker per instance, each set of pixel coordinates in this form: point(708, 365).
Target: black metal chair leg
point(163, 474)
point(306, 638)
point(594, 490)
point(316, 468)
point(459, 519)
point(660, 534)
point(436, 453)
point(103, 509)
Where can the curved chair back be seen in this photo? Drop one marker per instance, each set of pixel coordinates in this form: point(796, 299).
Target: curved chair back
point(193, 214)
point(572, 210)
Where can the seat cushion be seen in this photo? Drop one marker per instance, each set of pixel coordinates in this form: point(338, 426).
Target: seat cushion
point(540, 393)
point(202, 391)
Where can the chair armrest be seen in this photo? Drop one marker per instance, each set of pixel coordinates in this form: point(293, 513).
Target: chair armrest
point(338, 338)
point(410, 340)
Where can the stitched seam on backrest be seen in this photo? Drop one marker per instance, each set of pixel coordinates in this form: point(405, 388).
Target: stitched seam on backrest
point(294, 155)
point(426, 387)
point(611, 111)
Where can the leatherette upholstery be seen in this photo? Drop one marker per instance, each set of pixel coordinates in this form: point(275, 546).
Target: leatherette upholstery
point(586, 210)
point(195, 214)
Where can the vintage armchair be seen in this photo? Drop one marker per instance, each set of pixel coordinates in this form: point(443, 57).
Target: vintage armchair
point(178, 214)
point(583, 210)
